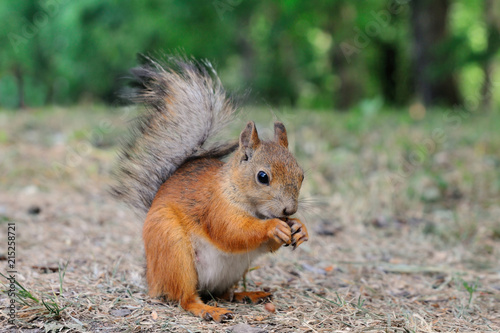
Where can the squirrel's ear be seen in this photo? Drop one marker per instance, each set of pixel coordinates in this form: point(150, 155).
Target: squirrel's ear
point(249, 139)
point(280, 134)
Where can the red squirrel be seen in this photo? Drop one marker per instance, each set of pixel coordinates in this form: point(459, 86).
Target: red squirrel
point(205, 219)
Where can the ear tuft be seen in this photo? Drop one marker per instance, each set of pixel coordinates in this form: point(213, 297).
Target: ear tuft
point(280, 134)
point(249, 139)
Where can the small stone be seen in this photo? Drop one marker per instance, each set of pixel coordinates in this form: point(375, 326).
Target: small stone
point(270, 307)
point(34, 210)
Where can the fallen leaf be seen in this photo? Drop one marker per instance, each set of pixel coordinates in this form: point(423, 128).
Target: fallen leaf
point(46, 269)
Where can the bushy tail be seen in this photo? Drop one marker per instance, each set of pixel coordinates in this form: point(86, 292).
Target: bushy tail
point(185, 104)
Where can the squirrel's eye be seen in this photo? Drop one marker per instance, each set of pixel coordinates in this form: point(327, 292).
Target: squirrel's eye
point(263, 178)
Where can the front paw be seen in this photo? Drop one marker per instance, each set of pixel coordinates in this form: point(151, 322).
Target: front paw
point(299, 232)
point(279, 231)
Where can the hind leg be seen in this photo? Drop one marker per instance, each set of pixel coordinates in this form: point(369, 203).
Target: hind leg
point(170, 268)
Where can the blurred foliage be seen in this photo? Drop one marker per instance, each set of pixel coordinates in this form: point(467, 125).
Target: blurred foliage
point(310, 54)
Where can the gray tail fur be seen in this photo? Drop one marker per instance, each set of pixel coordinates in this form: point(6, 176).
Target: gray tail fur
point(185, 104)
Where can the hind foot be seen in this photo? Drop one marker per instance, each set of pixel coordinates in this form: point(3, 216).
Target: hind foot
point(250, 296)
point(208, 312)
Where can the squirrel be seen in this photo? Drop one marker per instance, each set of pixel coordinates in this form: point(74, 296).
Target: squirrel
point(205, 219)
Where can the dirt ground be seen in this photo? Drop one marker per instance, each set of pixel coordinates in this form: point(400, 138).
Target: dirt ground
point(395, 246)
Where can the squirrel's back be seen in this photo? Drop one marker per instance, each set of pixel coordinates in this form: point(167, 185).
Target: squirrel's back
point(185, 105)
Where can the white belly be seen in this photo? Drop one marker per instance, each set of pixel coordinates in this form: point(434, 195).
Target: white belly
point(217, 270)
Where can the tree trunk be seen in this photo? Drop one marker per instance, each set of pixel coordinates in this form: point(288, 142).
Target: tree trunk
point(429, 25)
point(349, 90)
point(493, 31)
point(388, 72)
point(20, 87)
point(486, 87)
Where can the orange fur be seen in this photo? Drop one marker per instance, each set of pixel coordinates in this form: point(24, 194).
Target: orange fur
point(192, 202)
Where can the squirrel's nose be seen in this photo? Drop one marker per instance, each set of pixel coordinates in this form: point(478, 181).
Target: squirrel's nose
point(290, 210)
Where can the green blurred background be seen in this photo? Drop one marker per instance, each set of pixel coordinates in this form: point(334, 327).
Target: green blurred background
point(334, 54)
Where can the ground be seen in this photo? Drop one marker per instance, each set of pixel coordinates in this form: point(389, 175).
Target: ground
point(403, 209)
